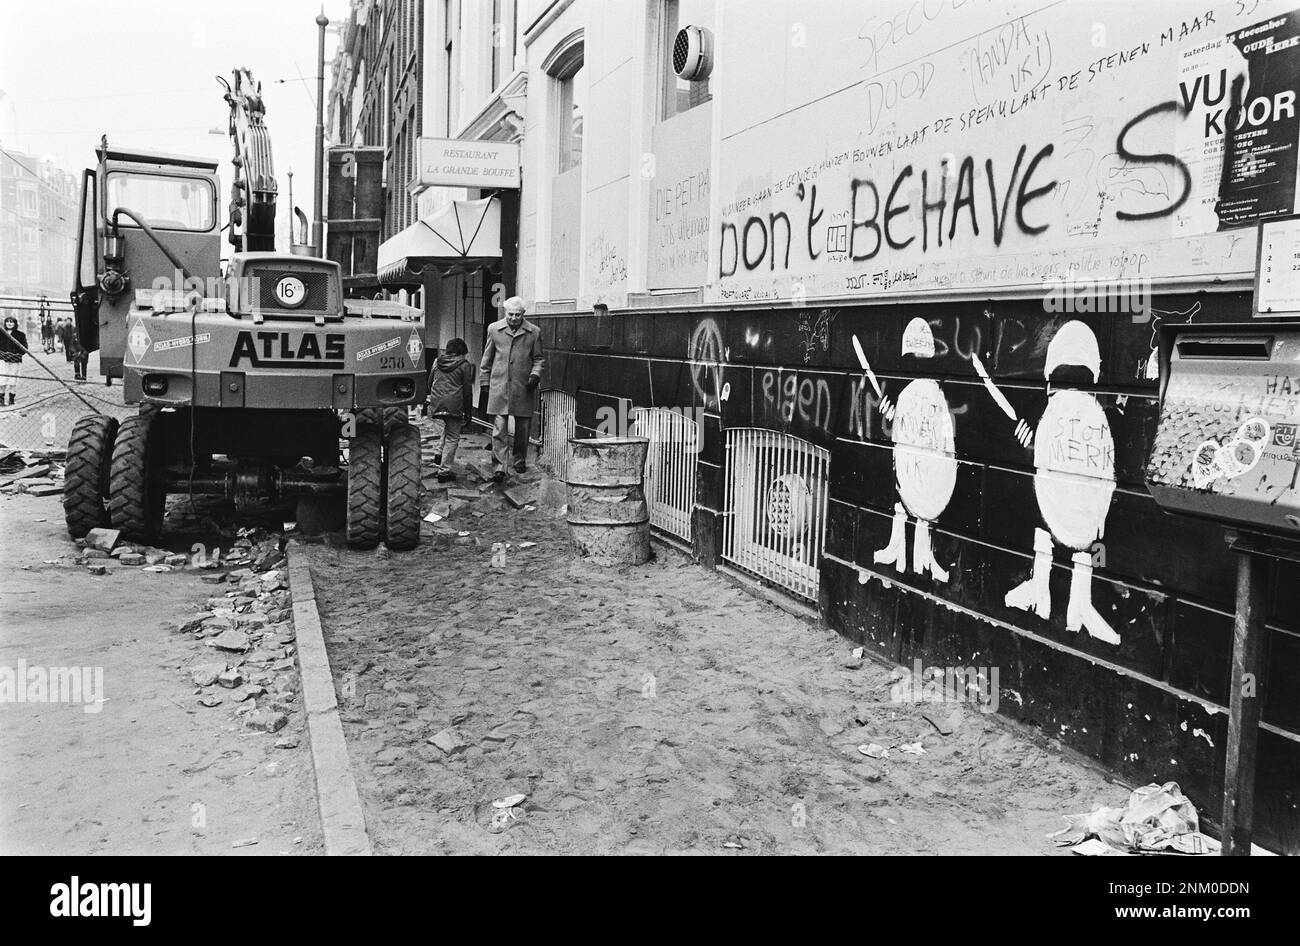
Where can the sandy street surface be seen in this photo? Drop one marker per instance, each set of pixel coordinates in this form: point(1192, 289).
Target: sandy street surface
point(656, 709)
point(153, 772)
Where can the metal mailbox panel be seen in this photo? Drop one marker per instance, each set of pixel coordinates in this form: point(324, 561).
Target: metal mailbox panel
point(1227, 443)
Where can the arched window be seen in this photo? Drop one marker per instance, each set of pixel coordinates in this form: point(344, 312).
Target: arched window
point(564, 66)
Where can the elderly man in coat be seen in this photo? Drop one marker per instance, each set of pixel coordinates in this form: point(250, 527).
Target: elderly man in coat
point(511, 370)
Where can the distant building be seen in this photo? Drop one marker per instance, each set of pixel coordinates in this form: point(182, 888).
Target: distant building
point(38, 226)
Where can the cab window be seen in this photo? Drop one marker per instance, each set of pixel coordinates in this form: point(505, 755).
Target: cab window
point(166, 203)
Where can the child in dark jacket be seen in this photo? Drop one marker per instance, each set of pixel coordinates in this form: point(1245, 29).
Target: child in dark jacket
point(451, 383)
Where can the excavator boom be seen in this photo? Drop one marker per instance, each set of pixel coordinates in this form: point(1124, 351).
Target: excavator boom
point(253, 193)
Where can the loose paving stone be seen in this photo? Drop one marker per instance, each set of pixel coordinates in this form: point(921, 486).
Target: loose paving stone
point(266, 720)
point(102, 540)
point(205, 675)
point(230, 640)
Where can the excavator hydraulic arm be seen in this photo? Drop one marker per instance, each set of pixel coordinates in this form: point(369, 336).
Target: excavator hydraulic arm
point(252, 197)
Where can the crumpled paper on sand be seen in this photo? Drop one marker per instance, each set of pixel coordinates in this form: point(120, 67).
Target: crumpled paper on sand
point(1158, 819)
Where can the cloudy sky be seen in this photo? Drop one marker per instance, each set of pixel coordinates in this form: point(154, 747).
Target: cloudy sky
point(142, 72)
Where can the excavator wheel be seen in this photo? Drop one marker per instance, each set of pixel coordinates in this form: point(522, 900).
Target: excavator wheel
point(365, 520)
point(402, 501)
point(385, 418)
point(86, 477)
point(136, 500)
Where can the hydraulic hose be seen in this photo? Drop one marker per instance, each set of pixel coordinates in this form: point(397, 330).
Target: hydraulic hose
point(148, 231)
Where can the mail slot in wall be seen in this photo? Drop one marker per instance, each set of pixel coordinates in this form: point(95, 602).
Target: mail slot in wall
point(1227, 446)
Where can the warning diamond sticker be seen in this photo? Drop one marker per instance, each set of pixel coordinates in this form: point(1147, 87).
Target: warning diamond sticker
point(138, 340)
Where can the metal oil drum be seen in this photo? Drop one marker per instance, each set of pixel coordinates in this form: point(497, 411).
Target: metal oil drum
point(609, 521)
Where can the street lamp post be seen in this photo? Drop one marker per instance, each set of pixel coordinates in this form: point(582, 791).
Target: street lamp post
point(318, 225)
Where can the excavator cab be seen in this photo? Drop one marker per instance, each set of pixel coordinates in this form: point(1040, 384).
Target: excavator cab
point(148, 221)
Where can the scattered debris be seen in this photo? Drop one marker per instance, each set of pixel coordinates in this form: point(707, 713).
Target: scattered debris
point(947, 725)
point(1158, 819)
point(521, 496)
point(207, 674)
point(874, 751)
point(510, 801)
point(230, 640)
point(245, 842)
point(266, 720)
point(102, 539)
point(449, 741)
point(912, 748)
point(855, 659)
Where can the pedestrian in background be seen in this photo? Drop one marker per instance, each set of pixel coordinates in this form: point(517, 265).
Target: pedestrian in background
point(13, 346)
point(78, 355)
point(451, 400)
point(511, 370)
point(47, 333)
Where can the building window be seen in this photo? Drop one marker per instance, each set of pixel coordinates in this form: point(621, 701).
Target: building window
point(498, 45)
point(570, 108)
point(680, 95)
point(27, 200)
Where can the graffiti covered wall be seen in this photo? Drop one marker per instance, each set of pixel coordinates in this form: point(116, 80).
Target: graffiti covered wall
point(958, 144)
point(987, 506)
point(887, 192)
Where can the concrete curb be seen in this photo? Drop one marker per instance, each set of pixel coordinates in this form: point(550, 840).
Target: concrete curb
point(342, 819)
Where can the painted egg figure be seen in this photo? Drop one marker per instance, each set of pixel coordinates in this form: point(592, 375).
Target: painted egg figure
point(925, 463)
point(1075, 459)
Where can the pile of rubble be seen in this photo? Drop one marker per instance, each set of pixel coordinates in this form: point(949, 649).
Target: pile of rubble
point(102, 546)
point(35, 472)
point(249, 547)
point(251, 635)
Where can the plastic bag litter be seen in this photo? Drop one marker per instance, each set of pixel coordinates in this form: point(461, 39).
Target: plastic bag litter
point(1158, 819)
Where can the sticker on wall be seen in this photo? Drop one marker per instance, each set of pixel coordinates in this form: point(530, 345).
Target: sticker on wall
point(1074, 480)
point(1212, 460)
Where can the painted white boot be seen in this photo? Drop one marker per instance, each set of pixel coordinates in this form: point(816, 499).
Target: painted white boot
point(923, 553)
point(1080, 611)
point(1034, 593)
point(895, 553)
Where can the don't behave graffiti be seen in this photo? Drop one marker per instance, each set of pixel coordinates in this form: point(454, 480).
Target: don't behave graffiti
point(1004, 150)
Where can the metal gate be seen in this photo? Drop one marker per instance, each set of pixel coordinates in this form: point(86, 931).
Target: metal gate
point(776, 507)
point(670, 466)
point(559, 411)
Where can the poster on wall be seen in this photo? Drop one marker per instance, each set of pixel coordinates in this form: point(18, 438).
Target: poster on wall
point(1260, 167)
point(961, 147)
